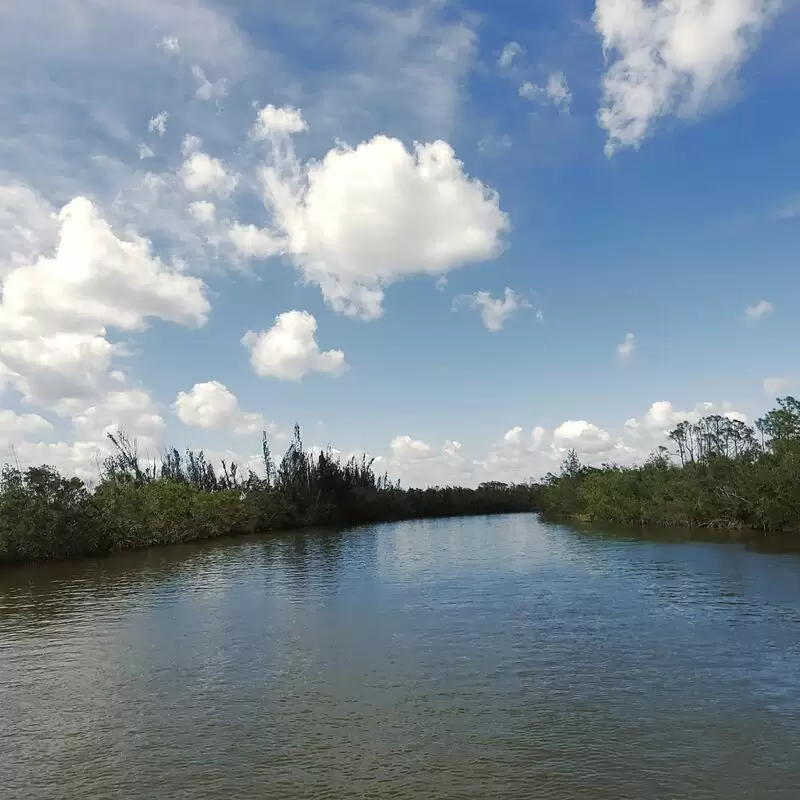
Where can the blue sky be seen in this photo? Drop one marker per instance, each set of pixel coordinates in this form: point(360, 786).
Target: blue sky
point(461, 237)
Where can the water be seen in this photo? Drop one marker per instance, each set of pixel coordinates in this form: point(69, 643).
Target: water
point(479, 658)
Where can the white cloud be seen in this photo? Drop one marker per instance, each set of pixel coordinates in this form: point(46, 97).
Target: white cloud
point(363, 218)
point(206, 89)
point(131, 410)
point(521, 454)
point(513, 436)
point(95, 279)
point(405, 448)
point(203, 210)
point(626, 347)
point(275, 122)
point(212, 405)
point(57, 368)
point(15, 427)
point(555, 92)
point(495, 144)
point(510, 52)
point(582, 436)
point(145, 151)
point(671, 57)
point(495, 311)
point(661, 417)
point(158, 123)
point(190, 144)
point(170, 45)
point(289, 350)
point(203, 173)
point(416, 463)
point(558, 91)
point(760, 309)
point(253, 242)
point(407, 66)
point(55, 310)
point(27, 224)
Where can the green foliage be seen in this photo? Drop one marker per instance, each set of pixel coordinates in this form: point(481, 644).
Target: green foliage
point(722, 475)
point(44, 515)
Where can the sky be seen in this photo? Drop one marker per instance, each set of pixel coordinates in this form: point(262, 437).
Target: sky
point(461, 237)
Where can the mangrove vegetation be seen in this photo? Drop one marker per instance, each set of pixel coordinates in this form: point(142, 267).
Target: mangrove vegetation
point(139, 503)
point(717, 472)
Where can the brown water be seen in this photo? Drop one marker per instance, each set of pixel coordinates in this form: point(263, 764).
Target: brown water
point(474, 658)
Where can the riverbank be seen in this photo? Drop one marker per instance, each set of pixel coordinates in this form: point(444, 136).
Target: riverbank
point(45, 516)
point(723, 474)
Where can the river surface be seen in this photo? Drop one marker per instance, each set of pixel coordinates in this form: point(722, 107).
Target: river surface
point(469, 658)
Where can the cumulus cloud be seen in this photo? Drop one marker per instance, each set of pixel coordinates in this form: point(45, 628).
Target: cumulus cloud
point(158, 124)
point(407, 449)
point(583, 437)
point(203, 173)
point(253, 242)
point(55, 310)
point(28, 224)
point(494, 311)
point(626, 347)
point(677, 57)
point(758, 310)
point(662, 417)
point(273, 122)
point(203, 210)
point(363, 218)
point(289, 350)
point(416, 463)
point(132, 410)
point(212, 405)
point(15, 427)
point(510, 52)
point(522, 454)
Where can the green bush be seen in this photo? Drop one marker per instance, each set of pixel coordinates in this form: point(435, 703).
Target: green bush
point(44, 515)
point(721, 475)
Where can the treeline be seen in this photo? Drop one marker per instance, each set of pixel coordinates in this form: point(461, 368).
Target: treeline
point(137, 503)
point(718, 473)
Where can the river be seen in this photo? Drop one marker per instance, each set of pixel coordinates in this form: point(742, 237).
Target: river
point(465, 658)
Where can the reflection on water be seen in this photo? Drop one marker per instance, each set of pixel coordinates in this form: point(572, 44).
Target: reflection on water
point(488, 657)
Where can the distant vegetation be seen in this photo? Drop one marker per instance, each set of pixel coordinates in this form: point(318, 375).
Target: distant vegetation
point(45, 515)
point(719, 473)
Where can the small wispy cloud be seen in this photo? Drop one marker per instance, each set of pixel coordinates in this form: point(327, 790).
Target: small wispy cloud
point(758, 310)
point(206, 89)
point(790, 209)
point(170, 45)
point(626, 348)
point(555, 92)
point(158, 124)
point(495, 311)
point(510, 52)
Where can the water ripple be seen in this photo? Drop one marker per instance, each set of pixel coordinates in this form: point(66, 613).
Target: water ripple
point(454, 659)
